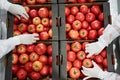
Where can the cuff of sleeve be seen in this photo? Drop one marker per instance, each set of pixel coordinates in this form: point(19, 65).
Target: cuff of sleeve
point(102, 74)
point(7, 5)
point(15, 40)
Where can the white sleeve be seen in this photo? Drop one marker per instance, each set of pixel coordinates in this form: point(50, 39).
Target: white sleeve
point(4, 4)
point(7, 45)
point(111, 76)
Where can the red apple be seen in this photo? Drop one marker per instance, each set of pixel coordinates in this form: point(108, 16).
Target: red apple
point(21, 74)
point(85, 25)
point(74, 1)
point(84, 9)
point(28, 67)
point(77, 63)
point(68, 47)
point(80, 16)
point(43, 59)
point(100, 31)
point(98, 59)
point(71, 56)
point(15, 69)
point(50, 60)
point(22, 27)
point(67, 11)
point(74, 34)
point(70, 18)
point(92, 35)
point(14, 58)
point(45, 70)
point(45, 21)
point(69, 65)
point(21, 49)
point(101, 16)
point(31, 28)
point(76, 25)
point(44, 35)
point(96, 25)
point(96, 9)
point(33, 56)
point(50, 13)
point(90, 17)
point(35, 75)
point(74, 10)
point(16, 20)
point(81, 55)
point(33, 13)
point(84, 44)
point(41, 1)
point(105, 63)
point(27, 9)
point(37, 66)
point(16, 33)
point(49, 50)
point(82, 1)
point(43, 12)
point(36, 20)
point(39, 28)
point(103, 53)
point(76, 46)
point(83, 33)
point(87, 63)
point(50, 33)
point(23, 58)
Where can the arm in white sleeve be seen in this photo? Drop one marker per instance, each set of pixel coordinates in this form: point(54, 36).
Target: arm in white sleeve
point(109, 76)
point(7, 45)
point(4, 4)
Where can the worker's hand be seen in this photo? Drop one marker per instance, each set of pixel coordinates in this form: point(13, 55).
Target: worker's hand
point(28, 38)
point(18, 11)
point(94, 48)
point(92, 72)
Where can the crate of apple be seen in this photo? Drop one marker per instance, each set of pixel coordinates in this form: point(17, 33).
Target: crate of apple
point(76, 58)
point(84, 21)
point(33, 61)
point(84, 1)
point(39, 22)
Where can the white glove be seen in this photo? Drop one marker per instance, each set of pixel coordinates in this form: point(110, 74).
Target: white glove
point(95, 72)
point(16, 10)
point(109, 34)
point(28, 38)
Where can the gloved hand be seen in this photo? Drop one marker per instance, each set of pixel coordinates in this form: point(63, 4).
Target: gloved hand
point(16, 9)
point(28, 38)
point(95, 72)
point(109, 34)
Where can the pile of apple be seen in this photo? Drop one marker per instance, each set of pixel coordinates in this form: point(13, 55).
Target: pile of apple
point(40, 22)
point(79, 1)
point(33, 61)
point(76, 58)
point(83, 22)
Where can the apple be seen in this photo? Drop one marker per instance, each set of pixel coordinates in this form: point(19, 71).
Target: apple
point(96, 10)
point(50, 70)
point(81, 55)
point(84, 9)
point(23, 20)
point(37, 66)
point(31, 28)
point(90, 1)
point(84, 44)
point(50, 13)
point(80, 16)
point(45, 70)
point(74, 73)
point(31, 2)
point(35, 75)
point(15, 27)
point(74, 34)
point(68, 47)
point(85, 25)
point(82, 1)
point(67, 11)
point(15, 1)
point(100, 31)
point(76, 46)
point(21, 49)
point(40, 48)
point(43, 12)
point(49, 50)
point(50, 22)
point(22, 27)
point(23, 58)
point(92, 34)
point(70, 18)
point(15, 69)
point(90, 17)
point(33, 13)
point(28, 67)
point(69, 65)
point(27, 9)
point(74, 1)
point(101, 16)
point(74, 10)
point(16, 20)
point(44, 35)
point(33, 56)
point(21, 74)
point(96, 25)
point(67, 27)
point(14, 58)
point(98, 59)
point(83, 33)
point(16, 33)
point(39, 28)
point(36, 20)
point(50, 60)
point(43, 59)
point(50, 33)
point(45, 21)
point(41, 1)
point(103, 53)
point(76, 25)
point(71, 56)
point(87, 63)
point(77, 63)
point(105, 63)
